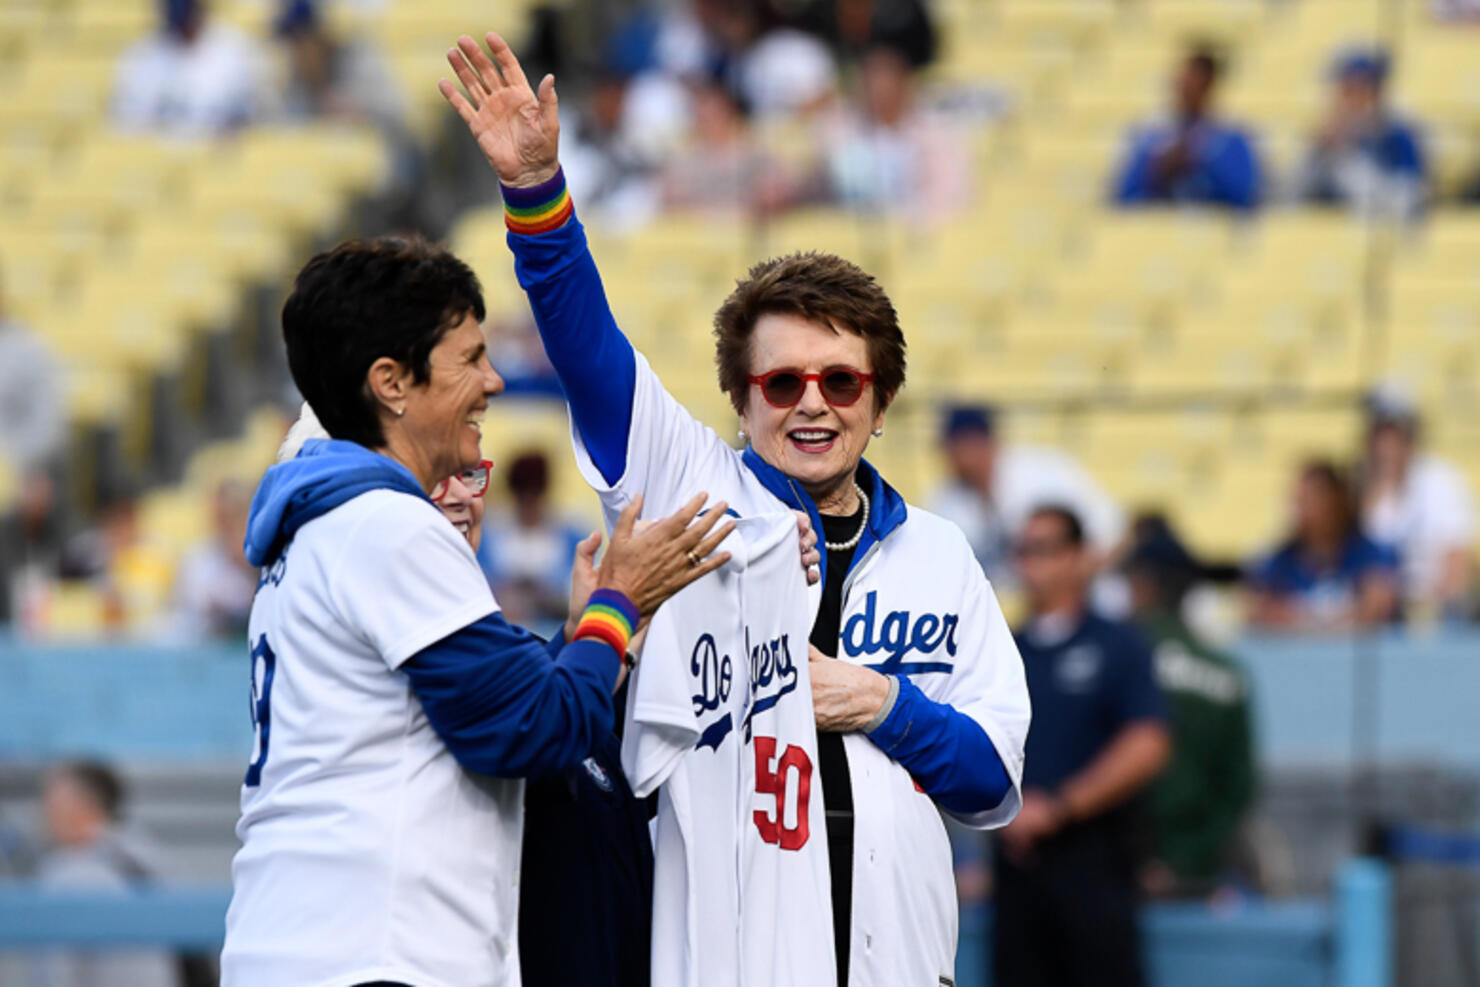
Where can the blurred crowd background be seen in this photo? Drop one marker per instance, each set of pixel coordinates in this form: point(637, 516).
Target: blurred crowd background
point(1207, 272)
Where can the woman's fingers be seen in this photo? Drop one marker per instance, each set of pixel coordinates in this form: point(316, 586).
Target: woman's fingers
point(695, 532)
point(490, 73)
point(709, 565)
point(508, 65)
point(464, 63)
point(487, 75)
point(459, 102)
point(709, 544)
point(628, 517)
point(586, 550)
point(549, 104)
point(681, 518)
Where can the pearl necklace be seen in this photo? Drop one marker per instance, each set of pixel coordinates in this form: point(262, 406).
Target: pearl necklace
point(852, 543)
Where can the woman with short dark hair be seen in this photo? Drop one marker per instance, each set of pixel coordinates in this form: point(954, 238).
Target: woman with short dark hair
point(927, 705)
point(396, 711)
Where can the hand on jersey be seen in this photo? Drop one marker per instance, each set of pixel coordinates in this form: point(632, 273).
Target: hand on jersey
point(811, 555)
point(583, 569)
point(517, 130)
point(651, 565)
point(845, 697)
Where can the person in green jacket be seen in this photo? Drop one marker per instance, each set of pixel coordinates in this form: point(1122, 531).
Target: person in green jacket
point(1202, 796)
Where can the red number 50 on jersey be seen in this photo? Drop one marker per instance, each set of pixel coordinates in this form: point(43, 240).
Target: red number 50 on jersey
point(771, 778)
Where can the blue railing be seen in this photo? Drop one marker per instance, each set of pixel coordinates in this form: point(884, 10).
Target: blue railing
point(1300, 944)
point(1317, 701)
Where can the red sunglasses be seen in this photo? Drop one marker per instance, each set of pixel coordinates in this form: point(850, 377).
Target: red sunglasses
point(840, 386)
point(475, 479)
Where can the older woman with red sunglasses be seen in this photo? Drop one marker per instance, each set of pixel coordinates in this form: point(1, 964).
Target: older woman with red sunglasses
point(926, 704)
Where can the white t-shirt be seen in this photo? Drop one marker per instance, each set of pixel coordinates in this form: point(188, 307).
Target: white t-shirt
point(367, 852)
point(212, 84)
point(1430, 517)
point(720, 715)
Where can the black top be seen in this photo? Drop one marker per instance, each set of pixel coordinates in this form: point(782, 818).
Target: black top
point(837, 788)
point(586, 876)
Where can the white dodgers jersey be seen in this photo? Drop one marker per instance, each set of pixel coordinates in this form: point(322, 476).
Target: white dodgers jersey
point(367, 853)
point(720, 715)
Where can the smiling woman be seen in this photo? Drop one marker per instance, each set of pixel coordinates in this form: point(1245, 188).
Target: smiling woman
point(396, 711)
point(926, 708)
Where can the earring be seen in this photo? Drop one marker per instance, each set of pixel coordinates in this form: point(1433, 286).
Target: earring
point(878, 433)
point(400, 412)
point(742, 435)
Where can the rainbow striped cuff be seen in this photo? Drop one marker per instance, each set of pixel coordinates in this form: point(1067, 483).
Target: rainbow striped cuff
point(539, 209)
point(609, 617)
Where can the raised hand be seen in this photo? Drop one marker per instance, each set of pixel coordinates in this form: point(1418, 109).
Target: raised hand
point(517, 130)
point(650, 566)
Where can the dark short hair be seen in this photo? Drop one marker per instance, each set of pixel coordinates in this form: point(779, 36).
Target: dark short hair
point(99, 782)
point(1337, 482)
point(366, 299)
point(818, 287)
point(529, 474)
point(1207, 60)
point(1067, 517)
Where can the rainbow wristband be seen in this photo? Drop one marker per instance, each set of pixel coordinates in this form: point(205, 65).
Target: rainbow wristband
point(540, 208)
point(609, 617)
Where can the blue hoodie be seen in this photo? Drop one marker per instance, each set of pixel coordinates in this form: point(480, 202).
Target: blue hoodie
point(490, 690)
point(325, 474)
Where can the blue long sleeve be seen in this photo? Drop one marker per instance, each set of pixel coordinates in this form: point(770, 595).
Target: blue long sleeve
point(947, 752)
point(1233, 172)
point(504, 708)
point(594, 361)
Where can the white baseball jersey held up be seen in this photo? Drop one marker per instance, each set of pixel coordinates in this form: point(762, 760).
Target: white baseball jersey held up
point(916, 604)
point(367, 852)
point(720, 715)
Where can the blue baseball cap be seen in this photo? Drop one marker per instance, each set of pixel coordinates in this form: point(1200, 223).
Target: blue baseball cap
point(1363, 64)
point(968, 419)
point(296, 16)
point(178, 14)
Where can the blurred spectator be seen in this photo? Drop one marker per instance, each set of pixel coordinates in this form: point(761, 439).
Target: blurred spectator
point(857, 26)
point(1363, 156)
point(132, 575)
point(33, 414)
point(1194, 157)
point(1068, 866)
point(514, 347)
point(527, 552)
point(1419, 505)
point(216, 584)
point(1327, 575)
point(334, 78)
point(1456, 10)
point(1199, 802)
point(993, 489)
point(777, 71)
point(82, 804)
point(722, 169)
point(194, 77)
point(889, 155)
point(607, 171)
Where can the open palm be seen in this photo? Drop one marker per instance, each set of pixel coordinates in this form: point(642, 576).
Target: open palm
point(517, 129)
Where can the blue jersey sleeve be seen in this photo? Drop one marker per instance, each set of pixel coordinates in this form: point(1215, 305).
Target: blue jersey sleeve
point(595, 363)
point(948, 753)
point(504, 708)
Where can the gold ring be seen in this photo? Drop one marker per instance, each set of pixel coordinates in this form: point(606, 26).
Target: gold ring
point(694, 560)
